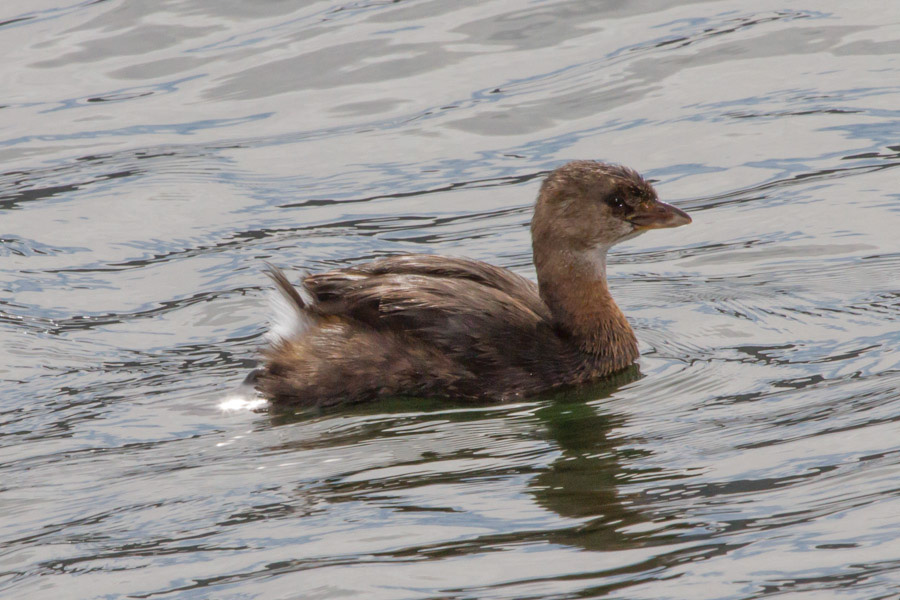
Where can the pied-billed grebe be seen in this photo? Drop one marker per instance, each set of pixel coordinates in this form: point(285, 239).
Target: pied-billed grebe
point(450, 327)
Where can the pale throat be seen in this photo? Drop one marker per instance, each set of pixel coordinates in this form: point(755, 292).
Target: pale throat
point(596, 257)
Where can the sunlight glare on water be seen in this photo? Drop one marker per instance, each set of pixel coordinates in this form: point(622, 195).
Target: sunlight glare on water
point(154, 155)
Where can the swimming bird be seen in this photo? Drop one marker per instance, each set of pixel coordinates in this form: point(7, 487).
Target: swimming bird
point(435, 326)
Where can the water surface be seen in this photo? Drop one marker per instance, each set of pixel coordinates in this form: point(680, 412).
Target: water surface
point(152, 155)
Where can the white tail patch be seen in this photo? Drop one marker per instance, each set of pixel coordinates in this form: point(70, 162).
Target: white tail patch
point(287, 319)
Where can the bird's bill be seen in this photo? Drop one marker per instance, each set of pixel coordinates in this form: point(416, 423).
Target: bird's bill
point(658, 215)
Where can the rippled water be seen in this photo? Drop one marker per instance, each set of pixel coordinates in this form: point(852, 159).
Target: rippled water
point(154, 153)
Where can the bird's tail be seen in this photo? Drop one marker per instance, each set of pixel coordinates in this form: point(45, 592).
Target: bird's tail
point(291, 307)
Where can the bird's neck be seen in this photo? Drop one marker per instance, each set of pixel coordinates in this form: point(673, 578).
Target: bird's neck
point(573, 285)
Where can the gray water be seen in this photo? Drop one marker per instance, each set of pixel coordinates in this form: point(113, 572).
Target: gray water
point(153, 154)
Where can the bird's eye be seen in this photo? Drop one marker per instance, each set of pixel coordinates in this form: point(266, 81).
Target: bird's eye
point(616, 202)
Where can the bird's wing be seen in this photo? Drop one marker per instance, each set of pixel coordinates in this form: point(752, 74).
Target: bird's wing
point(498, 278)
point(456, 304)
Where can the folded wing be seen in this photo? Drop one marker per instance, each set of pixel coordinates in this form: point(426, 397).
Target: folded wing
point(465, 308)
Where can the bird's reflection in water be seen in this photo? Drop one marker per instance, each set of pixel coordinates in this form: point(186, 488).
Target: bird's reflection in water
point(424, 436)
point(581, 483)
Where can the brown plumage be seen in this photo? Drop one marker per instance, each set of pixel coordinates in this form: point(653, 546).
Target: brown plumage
point(437, 326)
